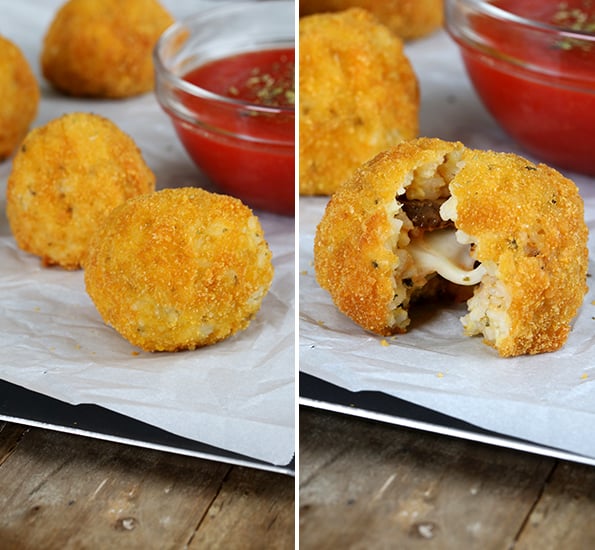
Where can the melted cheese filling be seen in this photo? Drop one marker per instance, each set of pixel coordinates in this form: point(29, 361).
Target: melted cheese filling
point(441, 252)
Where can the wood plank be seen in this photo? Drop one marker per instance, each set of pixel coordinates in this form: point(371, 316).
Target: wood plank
point(321, 442)
point(256, 508)
point(381, 486)
point(563, 516)
point(10, 436)
point(64, 491)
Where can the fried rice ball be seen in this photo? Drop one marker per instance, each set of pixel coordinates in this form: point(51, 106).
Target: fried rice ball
point(103, 48)
point(66, 177)
point(408, 19)
point(358, 96)
point(179, 269)
point(429, 215)
point(19, 97)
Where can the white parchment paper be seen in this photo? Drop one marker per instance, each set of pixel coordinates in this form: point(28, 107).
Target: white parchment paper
point(547, 399)
point(237, 395)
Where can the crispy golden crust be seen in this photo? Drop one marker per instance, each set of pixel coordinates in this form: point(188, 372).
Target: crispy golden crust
point(355, 246)
point(103, 49)
point(526, 222)
point(358, 96)
point(19, 97)
point(529, 220)
point(178, 269)
point(408, 19)
point(66, 177)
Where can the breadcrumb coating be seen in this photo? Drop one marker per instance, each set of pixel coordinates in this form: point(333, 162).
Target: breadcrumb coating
point(179, 269)
point(103, 48)
point(19, 97)
point(521, 226)
point(358, 96)
point(408, 19)
point(66, 177)
point(528, 220)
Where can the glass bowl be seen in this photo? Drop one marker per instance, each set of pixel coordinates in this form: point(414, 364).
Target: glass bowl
point(206, 66)
point(532, 63)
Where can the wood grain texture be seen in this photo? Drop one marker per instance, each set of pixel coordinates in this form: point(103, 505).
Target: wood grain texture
point(251, 507)
point(564, 515)
point(10, 435)
point(61, 491)
point(371, 485)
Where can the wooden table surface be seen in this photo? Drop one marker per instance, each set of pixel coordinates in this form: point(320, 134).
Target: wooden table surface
point(62, 491)
point(362, 485)
point(366, 485)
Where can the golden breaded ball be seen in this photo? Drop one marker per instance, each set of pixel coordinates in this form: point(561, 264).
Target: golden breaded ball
point(19, 97)
point(527, 223)
point(103, 48)
point(178, 269)
point(428, 216)
point(66, 177)
point(358, 96)
point(408, 19)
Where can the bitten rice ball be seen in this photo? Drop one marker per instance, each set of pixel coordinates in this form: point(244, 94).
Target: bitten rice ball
point(408, 19)
point(358, 96)
point(103, 48)
point(178, 269)
point(19, 97)
point(430, 217)
point(66, 177)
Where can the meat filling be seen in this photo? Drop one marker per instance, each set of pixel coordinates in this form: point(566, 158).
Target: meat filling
point(436, 251)
point(425, 213)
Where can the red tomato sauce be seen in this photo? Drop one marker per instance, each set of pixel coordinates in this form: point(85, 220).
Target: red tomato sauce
point(262, 78)
point(552, 116)
point(249, 154)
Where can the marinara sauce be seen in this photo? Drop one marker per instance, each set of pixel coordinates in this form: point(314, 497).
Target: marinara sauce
point(550, 111)
point(247, 145)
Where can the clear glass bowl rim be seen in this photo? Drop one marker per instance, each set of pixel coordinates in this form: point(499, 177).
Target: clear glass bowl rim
point(485, 7)
point(186, 23)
